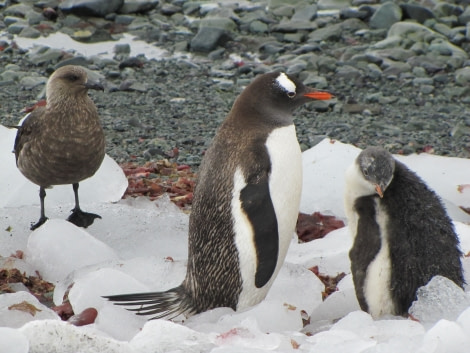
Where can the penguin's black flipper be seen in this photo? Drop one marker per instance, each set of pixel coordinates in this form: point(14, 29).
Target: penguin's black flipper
point(258, 206)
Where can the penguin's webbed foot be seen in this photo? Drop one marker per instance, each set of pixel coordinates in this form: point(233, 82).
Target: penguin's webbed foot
point(82, 219)
point(39, 223)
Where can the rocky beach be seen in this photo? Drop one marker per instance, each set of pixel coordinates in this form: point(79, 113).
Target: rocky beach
point(400, 70)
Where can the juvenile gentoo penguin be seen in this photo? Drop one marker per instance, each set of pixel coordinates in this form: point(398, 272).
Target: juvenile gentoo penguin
point(62, 142)
point(402, 234)
point(245, 205)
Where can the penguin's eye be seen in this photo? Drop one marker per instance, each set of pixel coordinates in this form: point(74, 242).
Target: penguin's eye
point(365, 172)
point(291, 94)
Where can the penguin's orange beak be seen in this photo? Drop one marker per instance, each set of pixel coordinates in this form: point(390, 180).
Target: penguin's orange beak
point(379, 191)
point(319, 95)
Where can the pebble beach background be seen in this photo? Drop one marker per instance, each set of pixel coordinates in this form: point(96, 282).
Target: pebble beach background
point(400, 70)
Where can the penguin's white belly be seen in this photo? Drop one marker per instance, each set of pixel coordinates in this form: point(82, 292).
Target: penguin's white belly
point(377, 282)
point(285, 185)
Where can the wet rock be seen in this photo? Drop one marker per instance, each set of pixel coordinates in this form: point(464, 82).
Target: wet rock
point(332, 32)
point(348, 72)
point(462, 76)
point(209, 38)
point(395, 68)
point(294, 26)
point(258, 27)
point(284, 11)
point(18, 10)
point(332, 4)
point(42, 55)
point(385, 16)
point(305, 12)
point(136, 6)
point(416, 12)
point(91, 7)
point(354, 13)
point(76, 60)
point(29, 32)
point(31, 82)
point(17, 27)
point(464, 18)
point(122, 48)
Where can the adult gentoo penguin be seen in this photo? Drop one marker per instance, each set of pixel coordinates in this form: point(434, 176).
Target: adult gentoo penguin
point(62, 142)
point(245, 205)
point(402, 234)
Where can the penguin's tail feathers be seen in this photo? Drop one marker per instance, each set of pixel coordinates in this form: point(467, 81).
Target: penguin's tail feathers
point(168, 304)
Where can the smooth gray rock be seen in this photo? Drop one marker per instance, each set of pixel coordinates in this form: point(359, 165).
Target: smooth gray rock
point(9, 20)
point(284, 11)
point(91, 7)
point(29, 32)
point(332, 32)
point(305, 13)
point(136, 6)
point(385, 16)
point(76, 60)
point(44, 55)
point(332, 4)
point(462, 76)
point(395, 68)
point(258, 27)
point(294, 26)
point(464, 18)
point(17, 27)
point(18, 10)
point(443, 29)
point(348, 72)
point(29, 82)
point(416, 12)
point(208, 38)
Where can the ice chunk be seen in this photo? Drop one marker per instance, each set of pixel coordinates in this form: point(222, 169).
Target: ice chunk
point(13, 341)
point(120, 324)
point(18, 308)
point(330, 341)
point(248, 337)
point(166, 336)
point(330, 253)
point(47, 336)
point(324, 166)
point(445, 336)
point(134, 227)
point(335, 306)
point(464, 320)
point(298, 287)
point(439, 299)
point(58, 247)
point(271, 316)
point(87, 291)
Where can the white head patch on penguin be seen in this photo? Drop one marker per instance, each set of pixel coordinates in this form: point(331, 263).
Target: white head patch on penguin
point(286, 84)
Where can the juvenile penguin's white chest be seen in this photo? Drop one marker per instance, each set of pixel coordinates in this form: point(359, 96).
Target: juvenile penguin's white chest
point(377, 283)
point(285, 183)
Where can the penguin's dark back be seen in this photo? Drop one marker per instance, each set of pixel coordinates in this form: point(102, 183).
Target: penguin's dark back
point(424, 242)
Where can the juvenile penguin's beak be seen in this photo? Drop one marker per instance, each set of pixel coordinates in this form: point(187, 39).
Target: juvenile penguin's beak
point(319, 95)
point(379, 191)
